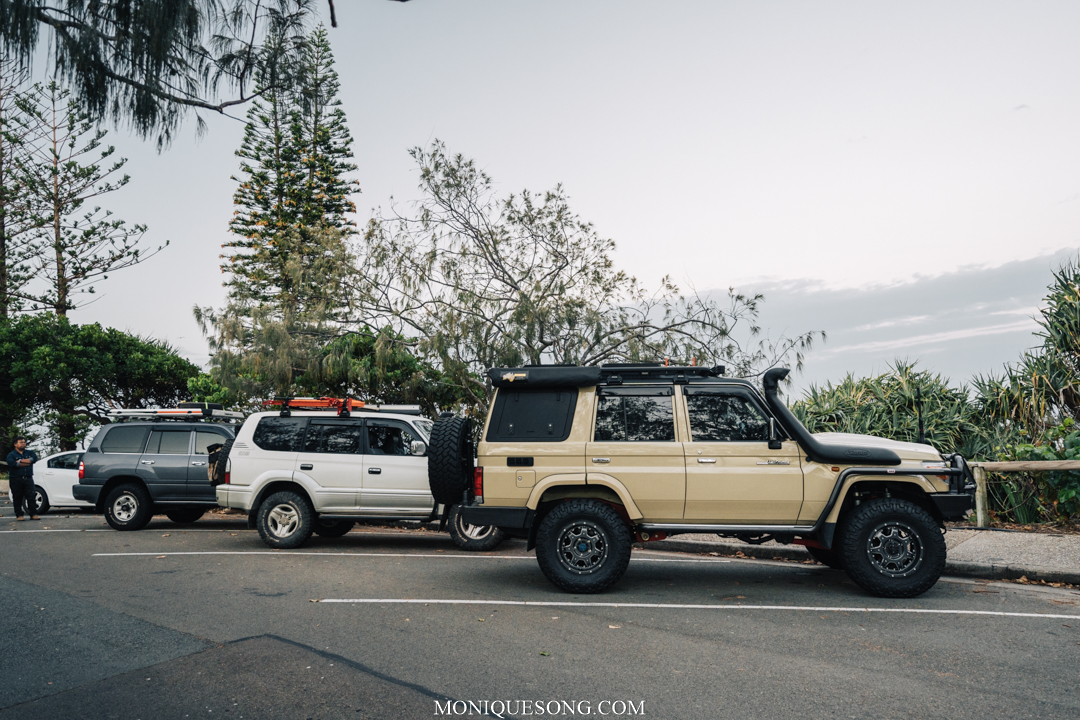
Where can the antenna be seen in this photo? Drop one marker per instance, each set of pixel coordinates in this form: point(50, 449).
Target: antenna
point(918, 408)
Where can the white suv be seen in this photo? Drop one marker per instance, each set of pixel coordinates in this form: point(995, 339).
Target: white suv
point(298, 472)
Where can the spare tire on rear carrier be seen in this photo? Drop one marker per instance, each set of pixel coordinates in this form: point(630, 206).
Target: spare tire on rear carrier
point(450, 459)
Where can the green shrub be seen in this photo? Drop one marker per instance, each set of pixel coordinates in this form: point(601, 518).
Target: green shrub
point(1059, 490)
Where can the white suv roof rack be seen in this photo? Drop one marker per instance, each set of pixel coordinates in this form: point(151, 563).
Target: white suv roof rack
point(179, 413)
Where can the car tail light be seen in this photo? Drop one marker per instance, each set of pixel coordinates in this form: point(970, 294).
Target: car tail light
point(82, 470)
point(227, 474)
point(478, 484)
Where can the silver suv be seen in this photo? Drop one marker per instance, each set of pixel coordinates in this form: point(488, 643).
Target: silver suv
point(298, 472)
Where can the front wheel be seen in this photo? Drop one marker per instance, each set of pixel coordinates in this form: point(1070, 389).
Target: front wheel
point(892, 548)
point(41, 501)
point(285, 520)
point(128, 507)
point(328, 528)
point(472, 537)
point(583, 546)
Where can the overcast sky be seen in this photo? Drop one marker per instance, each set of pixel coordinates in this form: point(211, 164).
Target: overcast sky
point(903, 176)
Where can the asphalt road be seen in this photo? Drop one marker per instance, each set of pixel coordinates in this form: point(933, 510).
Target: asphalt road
point(204, 621)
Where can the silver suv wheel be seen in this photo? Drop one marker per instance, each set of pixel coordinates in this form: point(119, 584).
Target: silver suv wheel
point(125, 507)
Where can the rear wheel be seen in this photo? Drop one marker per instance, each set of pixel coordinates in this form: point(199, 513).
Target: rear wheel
point(128, 507)
point(472, 537)
point(328, 528)
point(184, 516)
point(583, 546)
point(41, 501)
point(285, 520)
point(892, 548)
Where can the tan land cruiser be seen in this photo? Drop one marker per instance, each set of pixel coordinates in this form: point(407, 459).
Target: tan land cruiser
point(584, 461)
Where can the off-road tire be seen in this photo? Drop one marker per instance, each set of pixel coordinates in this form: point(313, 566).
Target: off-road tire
point(41, 501)
point(221, 463)
point(285, 520)
point(328, 528)
point(450, 459)
point(583, 546)
point(825, 557)
point(128, 507)
point(472, 537)
point(891, 548)
point(184, 515)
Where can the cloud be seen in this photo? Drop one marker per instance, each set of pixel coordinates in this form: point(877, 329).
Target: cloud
point(905, 343)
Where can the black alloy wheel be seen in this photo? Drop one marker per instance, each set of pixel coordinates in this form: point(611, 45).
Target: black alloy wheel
point(892, 548)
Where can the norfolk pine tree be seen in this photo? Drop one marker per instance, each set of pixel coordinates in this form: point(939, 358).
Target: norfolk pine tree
point(17, 219)
point(65, 169)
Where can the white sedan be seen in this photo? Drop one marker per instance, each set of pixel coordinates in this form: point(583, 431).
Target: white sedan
point(53, 478)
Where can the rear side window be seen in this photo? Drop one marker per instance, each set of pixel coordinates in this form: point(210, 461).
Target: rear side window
point(204, 439)
point(532, 415)
point(125, 439)
point(66, 462)
point(280, 434)
point(169, 442)
point(631, 415)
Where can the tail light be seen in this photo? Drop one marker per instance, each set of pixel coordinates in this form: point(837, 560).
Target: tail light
point(478, 485)
point(82, 470)
point(227, 474)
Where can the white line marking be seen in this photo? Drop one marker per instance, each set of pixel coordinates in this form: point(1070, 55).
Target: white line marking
point(671, 606)
point(372, 554)
point(13, 532)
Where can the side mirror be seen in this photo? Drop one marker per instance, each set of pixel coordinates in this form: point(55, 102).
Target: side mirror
point(419, 448)
point(774, 443)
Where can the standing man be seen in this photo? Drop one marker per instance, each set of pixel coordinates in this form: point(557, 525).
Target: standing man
point(21, 479)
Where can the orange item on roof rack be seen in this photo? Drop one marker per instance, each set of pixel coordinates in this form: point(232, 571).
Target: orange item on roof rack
point(343, 405)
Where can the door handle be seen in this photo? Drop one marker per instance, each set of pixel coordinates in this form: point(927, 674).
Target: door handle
point(306, 466)
point(147, 462)
point(706, 460)
point(374, 471)
point(601, 460)
point(198, 463)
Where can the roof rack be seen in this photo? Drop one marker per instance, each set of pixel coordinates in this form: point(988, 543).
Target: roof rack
point(344, 406)
point(185, 411)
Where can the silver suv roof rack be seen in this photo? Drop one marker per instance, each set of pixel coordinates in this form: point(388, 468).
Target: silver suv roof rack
point(194, 411)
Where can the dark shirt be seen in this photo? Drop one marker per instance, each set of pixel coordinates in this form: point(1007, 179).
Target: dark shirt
point(16, 470)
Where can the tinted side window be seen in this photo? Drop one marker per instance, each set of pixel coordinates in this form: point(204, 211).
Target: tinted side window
point(204, 439)
point(725, 418)
point(532, 415)
point(341, 439)
point(66, 462)
point(121, 439)
point(634, 419)
point(280, 434)
point(385, 438)
point(169, 442)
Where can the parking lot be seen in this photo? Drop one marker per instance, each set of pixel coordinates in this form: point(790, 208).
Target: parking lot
point(205, 621)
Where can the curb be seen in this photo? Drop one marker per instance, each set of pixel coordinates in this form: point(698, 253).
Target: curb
point(989, 571)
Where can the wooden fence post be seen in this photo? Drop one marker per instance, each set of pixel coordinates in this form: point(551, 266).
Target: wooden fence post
point(982, 518)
